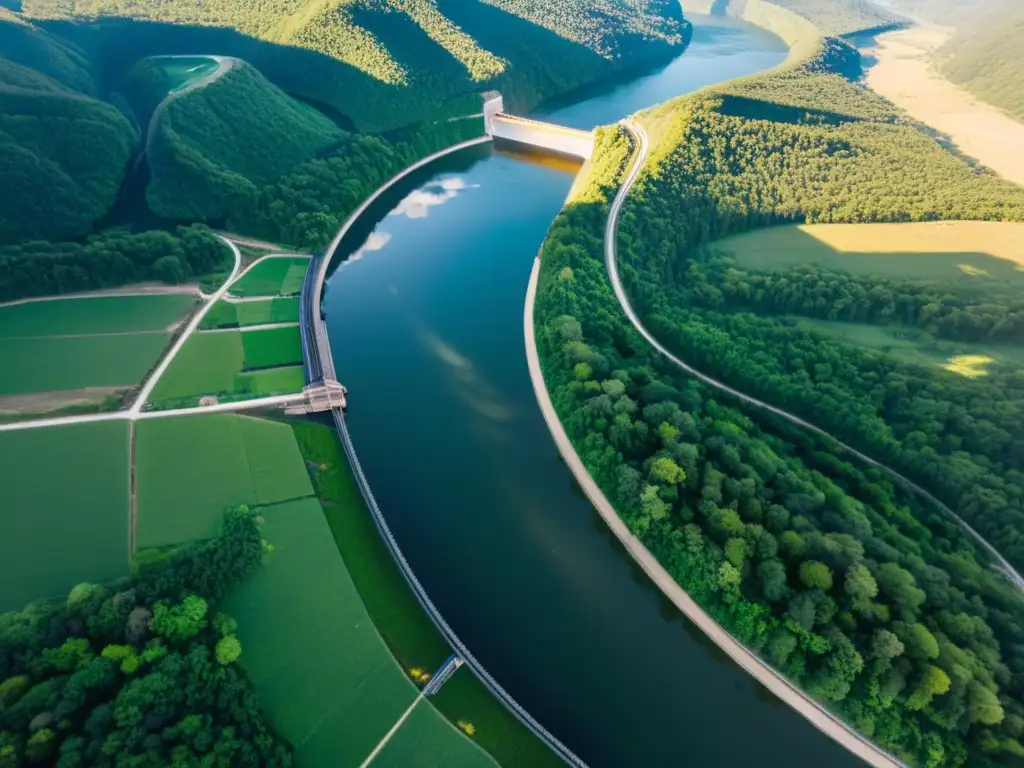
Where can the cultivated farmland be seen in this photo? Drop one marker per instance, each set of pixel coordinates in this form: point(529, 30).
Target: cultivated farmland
point(325, 678)
point(190, 469)
point(226, 314)
point(273, 277)
point(426, 739)
point(71, 344)
point(221, 364)
point(65, 509)
point(964, 251)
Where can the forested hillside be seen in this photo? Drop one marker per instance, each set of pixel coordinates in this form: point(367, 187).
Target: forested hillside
point(987, 58)
point(215, 146)
point(841, 17)
point(389, 63)
point(63, 153)
point(867, 596)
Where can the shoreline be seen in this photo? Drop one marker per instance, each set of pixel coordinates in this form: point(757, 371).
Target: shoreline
point(785, 691)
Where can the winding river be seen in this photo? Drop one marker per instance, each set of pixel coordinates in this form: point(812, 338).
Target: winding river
point(425, 320)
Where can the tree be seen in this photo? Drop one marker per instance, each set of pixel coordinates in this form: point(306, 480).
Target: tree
point(652, 504)
point(664, 470)
point(983, 705)
point(228, 650)
point(860, 585)
point(934, 682)
point(179, 622)
point(920, 643)
point(816, 575)
point(772, 574)
point(885, 646)
point(898, 584)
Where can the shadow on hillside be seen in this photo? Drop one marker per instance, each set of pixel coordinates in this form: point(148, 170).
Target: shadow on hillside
point(756, 109)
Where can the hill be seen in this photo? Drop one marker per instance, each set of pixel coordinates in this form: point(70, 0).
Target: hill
point(212, 148)
point(987, 58)
point(63, 152)
point(388, 63)
point(842, 17)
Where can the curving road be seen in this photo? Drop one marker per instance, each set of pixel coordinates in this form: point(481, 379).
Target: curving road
point(641, 141)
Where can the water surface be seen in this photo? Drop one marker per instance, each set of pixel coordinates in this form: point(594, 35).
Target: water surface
point(425, 320)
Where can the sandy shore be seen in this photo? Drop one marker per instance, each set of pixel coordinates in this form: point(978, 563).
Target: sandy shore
point(905, 74)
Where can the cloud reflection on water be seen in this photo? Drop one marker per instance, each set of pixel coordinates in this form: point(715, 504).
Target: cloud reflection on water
point(417, 204)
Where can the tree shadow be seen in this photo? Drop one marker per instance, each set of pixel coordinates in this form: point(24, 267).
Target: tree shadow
point(757, 109)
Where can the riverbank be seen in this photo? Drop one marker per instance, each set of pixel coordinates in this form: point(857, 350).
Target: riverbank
point(904, 72)
point(752, 664)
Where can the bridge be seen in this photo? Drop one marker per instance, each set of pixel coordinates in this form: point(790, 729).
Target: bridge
point(534, 133)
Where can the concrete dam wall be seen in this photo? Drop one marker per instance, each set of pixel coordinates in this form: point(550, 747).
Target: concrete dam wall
point(554, 138)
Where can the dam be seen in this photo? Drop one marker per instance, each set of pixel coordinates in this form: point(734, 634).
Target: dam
point(549, 137)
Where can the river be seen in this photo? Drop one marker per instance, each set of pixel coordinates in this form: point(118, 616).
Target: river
point(425, 320)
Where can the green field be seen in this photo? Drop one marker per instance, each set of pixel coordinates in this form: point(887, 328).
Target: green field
point(51, 346)
point(225, 314)
point(910, 345)
point(190, 469)
point(399, 618)
point(328, 683)
point(272, 348)
point(970, 252)
point(107, 314)
point(426, 740)
point(233, 364)
point(273, 277)
point(65, 515)
point(271, 381)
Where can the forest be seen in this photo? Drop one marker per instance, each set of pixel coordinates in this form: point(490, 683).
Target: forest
point(141, 672)
point(107, 260)
point(986, 56)
point(63, 153)
point(865, 595)
point(385, 64)
point(842, 17)
point(214, 147)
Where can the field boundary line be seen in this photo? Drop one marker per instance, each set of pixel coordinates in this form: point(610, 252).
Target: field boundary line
point(394, 728)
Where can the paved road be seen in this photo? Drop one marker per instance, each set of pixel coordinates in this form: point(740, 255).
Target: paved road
point(640, 137)
point(147, 388)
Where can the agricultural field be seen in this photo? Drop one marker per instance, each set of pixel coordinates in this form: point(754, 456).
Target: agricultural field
point(107, 343)
point(910, 345)
point(315, 684)
point(226, 314)
point(398, 617)
point(65, 515)
point(233, 364)
point(976, 251)
point(273, 277)
point(190, 469)
point(426, 739)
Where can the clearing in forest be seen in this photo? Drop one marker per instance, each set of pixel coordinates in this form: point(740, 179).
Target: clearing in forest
point(958, 250)
point(190, 469)
point(233, 365)
point(72, 344)
point(273, 277)
point(65, 515)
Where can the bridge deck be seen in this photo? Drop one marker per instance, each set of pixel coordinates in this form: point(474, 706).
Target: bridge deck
point(540, 125)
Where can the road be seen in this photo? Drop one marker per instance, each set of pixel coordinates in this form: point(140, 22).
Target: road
point(640, 138)
point(224, 65)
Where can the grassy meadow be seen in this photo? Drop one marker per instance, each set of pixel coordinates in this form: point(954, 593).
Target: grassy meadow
point(975, 251)
point(66, 509)
point(273, 277)
point(426, 739)
point(190, 469)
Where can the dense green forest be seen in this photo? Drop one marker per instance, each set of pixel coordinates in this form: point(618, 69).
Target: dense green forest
point(389, 63)
point(63, 153)
point(109, 259)
point(138, 673)
point(841, 17)
point(868, 597)
point(987, 57)
point(215, 146)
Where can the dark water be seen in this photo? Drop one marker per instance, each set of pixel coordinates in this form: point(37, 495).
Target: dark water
point(426, 326)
